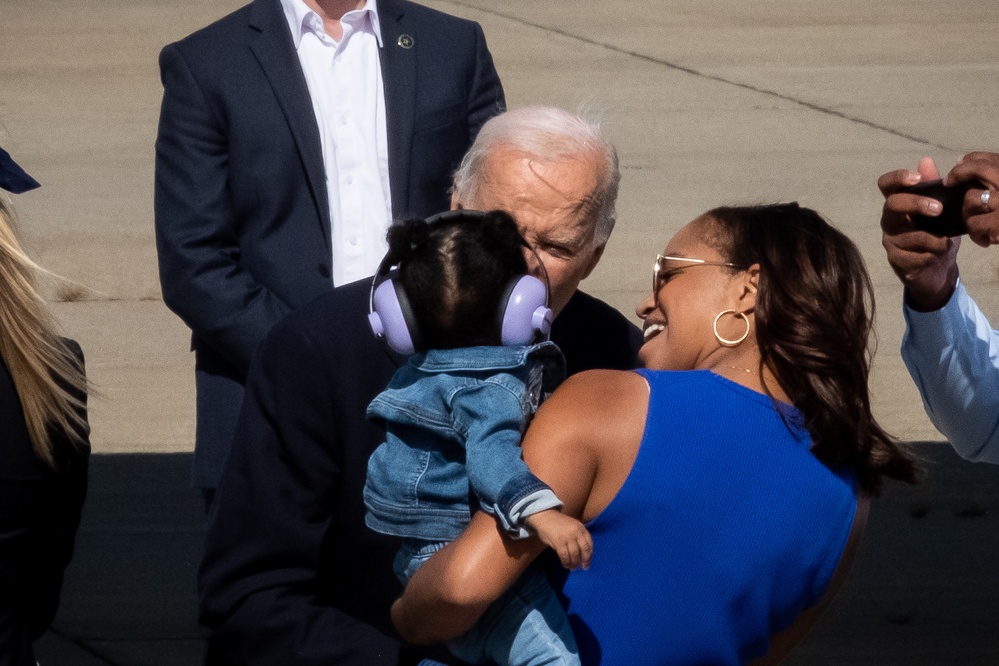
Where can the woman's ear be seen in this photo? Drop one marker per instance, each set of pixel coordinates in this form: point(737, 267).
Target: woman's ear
point(749, 288)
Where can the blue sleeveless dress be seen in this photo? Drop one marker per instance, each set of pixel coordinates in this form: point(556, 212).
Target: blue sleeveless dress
point(726, 528)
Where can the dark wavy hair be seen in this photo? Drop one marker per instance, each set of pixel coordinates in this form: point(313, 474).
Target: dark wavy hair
point(814, 318)
point(455, 271)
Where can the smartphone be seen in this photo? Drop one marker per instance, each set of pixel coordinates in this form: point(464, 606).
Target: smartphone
point(950, 222)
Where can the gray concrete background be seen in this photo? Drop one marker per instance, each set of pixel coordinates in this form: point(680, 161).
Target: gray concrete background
point(709, 102)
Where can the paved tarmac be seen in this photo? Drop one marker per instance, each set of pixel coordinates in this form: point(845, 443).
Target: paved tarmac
point(710, 102)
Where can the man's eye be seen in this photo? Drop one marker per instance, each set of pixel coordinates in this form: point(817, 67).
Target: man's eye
point(558, 251)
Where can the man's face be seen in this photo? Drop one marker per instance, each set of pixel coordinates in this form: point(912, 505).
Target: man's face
point(552, 206)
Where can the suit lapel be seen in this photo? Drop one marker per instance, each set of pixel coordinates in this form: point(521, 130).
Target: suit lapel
point(274, 49)
point(398, 65)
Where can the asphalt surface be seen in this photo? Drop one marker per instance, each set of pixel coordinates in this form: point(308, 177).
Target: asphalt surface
point(710, 102)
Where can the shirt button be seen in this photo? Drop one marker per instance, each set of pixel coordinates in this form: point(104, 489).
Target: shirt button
point(343, 120)
point(350, 180)
point(353, 241)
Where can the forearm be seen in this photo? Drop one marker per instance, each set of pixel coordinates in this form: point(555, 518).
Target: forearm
point(450, 592)
point(953, 357)
point(428, 612)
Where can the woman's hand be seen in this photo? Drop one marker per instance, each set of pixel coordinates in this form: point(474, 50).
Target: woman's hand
point(565, 535)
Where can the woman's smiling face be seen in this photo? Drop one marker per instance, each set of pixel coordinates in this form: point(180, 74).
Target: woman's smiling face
point(688, 296)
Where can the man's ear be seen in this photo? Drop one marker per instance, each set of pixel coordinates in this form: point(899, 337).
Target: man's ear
point(455, 204)
point(594, 260)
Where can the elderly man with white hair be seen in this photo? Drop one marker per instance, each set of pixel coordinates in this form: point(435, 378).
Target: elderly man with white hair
point(291, 573)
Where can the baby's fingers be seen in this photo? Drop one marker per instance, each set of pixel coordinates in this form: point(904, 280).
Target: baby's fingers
point(568, 552)
point(585, 550)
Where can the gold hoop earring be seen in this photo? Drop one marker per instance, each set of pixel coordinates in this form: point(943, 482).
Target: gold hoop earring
point(730, 343)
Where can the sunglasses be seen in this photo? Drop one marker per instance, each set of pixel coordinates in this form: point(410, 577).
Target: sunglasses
point(662, 272)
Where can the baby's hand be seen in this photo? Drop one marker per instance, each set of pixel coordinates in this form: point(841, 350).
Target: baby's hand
point(566, 535)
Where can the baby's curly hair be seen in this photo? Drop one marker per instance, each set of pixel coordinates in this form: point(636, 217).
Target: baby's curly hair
point(455, 270)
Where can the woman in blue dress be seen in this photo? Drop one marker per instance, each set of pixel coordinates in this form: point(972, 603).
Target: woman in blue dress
point(725, 485)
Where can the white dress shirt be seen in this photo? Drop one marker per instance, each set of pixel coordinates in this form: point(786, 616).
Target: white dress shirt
point(345, 83)
point(953, 356)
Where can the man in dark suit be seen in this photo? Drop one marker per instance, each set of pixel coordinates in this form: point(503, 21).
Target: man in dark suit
point(291, 573)
point(291, 133)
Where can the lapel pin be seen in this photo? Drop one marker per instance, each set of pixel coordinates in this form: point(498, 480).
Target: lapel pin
point(405, 41)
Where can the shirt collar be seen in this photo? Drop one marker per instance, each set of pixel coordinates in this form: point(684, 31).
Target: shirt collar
point(296, 12)
point(492, 357)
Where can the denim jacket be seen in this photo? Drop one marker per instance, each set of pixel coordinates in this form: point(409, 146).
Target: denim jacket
point(454, 420)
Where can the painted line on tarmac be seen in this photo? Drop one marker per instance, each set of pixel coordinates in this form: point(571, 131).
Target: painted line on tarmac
point(712, 77)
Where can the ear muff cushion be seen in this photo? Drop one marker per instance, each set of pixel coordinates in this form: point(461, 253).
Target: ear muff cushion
point(524, 313)
point(391, 309)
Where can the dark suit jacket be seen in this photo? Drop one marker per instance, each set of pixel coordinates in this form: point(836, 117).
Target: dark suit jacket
point(291, 573)
point(242, 216)
point(39, 515)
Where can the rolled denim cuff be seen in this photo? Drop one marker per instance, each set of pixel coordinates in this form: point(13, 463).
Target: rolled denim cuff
point(511, 511)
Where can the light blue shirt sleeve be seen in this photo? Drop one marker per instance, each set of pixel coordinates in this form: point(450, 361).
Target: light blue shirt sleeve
point(953, 356)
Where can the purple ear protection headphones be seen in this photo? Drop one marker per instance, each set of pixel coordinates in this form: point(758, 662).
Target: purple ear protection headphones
point(523, 316)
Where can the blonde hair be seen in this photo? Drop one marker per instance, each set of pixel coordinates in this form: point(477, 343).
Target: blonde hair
point(49, 379)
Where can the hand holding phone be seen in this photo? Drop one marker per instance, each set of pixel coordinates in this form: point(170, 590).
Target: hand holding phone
point(950, 221)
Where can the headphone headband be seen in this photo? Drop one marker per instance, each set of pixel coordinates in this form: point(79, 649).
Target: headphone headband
point(523, 315)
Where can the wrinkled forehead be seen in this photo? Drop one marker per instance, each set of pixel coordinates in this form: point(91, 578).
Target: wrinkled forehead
point(539, 192)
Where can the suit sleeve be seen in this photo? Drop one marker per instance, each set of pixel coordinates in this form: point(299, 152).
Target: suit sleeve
point(272, 514)
point(196, 226)
point(485, 97)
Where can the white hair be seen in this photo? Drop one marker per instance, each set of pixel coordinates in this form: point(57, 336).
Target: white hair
point(546, 134)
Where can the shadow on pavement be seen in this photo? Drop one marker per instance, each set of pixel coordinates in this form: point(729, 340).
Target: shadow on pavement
point(130, 596)
point(924, 589)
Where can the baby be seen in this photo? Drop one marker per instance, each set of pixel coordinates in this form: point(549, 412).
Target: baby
point(454, 291)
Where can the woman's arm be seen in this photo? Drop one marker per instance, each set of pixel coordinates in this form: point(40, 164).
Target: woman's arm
point(582, 443)
point(450, 592)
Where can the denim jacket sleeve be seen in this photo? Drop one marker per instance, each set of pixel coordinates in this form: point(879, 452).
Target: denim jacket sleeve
point(491, 417)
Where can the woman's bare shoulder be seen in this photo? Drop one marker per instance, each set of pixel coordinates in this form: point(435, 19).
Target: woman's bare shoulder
point(594, 401)
point(596, 420)
point(603, 389)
